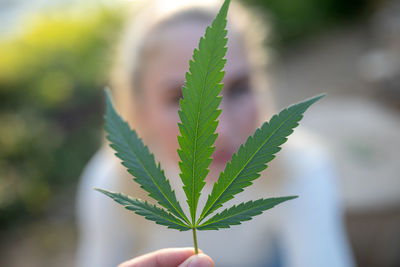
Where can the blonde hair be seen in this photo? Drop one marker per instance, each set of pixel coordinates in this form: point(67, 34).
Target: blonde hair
point(151, 16)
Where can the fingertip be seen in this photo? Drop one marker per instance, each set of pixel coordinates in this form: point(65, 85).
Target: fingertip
point(162, 257)
point(199, 260)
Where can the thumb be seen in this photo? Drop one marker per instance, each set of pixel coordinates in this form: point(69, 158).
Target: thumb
point(199, 260)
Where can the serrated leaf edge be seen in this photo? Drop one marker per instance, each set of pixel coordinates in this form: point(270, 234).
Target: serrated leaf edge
point(209, 208)
point(177, 210)
point(253, 205)
point(129, 203)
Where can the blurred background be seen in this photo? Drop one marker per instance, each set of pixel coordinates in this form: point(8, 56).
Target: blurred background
point(55, 58)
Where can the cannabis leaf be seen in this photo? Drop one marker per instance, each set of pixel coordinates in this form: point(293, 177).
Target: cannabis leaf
point(150, 212)
point(243, 212)
point(198, 114)
point(199, 109)
point(139, 162)
point(252, 157)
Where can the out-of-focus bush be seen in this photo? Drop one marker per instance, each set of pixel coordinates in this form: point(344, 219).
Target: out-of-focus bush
point(51, 80)
point(296, 19)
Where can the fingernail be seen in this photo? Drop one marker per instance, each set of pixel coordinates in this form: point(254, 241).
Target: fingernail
point(200, 260)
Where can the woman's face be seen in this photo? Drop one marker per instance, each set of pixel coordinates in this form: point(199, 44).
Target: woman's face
point(161, 81)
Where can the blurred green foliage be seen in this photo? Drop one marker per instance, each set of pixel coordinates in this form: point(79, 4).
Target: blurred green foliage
point(51, 80)
point(294, 20)
point(51, 86)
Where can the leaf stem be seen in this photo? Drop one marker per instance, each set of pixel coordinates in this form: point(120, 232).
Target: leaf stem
point(196, 249)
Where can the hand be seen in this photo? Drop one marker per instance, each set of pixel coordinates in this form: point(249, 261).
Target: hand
point(171, 257)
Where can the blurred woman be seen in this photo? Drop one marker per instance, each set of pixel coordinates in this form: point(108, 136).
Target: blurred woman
point(147, 81)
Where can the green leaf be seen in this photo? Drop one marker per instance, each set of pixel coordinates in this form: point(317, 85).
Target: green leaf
point(199, 108)
point(149, 211)
point(253, 156)
point(139, 161)
point(243, 212)
point(198, 122)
